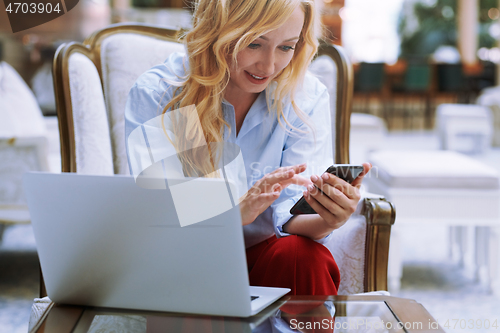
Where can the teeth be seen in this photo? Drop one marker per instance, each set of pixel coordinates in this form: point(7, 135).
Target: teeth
point(256, 77)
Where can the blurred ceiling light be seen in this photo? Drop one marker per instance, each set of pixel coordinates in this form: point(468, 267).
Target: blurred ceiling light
point(494, 31)
point(446, 54)
point(483, 54)
point(493, 13)
point(345, 13)
point(430, 3)
point(494, 55)
point(447, 12)
point(30, 39)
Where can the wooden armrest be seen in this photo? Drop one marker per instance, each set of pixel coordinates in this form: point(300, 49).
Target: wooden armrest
point(380, 216)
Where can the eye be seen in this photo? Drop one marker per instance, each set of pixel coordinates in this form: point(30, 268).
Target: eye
point(287, 48)
point(254, 45)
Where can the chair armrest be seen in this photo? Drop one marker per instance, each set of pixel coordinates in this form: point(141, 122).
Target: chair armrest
point(380, 216)
point(369, 195)
point(39, 311)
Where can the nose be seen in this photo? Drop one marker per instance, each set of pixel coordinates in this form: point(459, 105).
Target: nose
point(266, 64)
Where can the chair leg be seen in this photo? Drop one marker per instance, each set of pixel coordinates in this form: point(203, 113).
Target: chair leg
point(457, 244)
point(488, 265)
point(494, 262)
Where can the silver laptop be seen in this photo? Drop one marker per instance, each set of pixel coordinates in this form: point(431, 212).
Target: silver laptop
point(104, 241)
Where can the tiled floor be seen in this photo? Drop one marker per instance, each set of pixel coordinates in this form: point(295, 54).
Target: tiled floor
point(440, 285)
point(428, 277)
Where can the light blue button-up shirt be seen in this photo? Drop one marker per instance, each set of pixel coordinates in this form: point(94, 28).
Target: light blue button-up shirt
point(265, 144)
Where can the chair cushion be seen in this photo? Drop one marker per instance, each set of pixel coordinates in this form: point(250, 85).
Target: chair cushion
point(93, 155)
point(124, 58)
point(20, 115)
point(367, 122)
point(16, 160)
point(347, 245)
point(431, 169)
point(367, 133)
point(23, 137)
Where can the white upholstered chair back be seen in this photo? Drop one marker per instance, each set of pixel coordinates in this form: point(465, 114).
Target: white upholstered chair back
point(100, 75)
point(124, 57)
point(90, 121)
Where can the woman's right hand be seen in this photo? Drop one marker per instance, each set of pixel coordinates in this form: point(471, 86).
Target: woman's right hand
point(267, 189)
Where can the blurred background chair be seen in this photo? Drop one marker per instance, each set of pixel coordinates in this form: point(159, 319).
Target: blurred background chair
point(410, 100)
point(23, 145)
point(490, 97)
point(369, 84)
point(92, 82)
point(433, 187)
point(452, 82)
point(368, 133)
point(466, 128)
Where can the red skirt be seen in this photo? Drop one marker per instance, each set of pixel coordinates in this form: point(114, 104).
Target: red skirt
point(295, 262)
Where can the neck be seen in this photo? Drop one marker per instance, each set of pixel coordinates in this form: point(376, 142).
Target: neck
point(239, 98)
point(241, 103)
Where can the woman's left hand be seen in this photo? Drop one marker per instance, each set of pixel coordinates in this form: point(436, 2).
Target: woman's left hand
point(337, 199)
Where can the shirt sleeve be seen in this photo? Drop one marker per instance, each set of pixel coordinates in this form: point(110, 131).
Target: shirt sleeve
point(314, 148)
point(145, 137)
point(142, 105)
point(145, 127)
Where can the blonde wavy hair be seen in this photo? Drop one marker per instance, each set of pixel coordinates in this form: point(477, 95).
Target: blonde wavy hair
point(221, 29)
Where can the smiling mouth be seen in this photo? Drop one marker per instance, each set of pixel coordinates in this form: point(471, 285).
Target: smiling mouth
point(256, 79)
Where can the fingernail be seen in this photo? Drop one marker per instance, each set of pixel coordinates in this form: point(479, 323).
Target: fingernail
point(314, 178)
point(311, 187)
point(324, 176)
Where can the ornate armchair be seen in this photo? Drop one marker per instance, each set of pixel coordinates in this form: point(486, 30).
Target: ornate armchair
point(92, 81)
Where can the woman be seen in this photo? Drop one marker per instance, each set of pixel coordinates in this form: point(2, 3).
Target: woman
point(244, 76)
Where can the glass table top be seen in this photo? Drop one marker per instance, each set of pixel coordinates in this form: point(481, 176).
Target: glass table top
point(282, 316)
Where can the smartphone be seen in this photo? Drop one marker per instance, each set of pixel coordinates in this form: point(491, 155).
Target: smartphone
point(347, 172)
